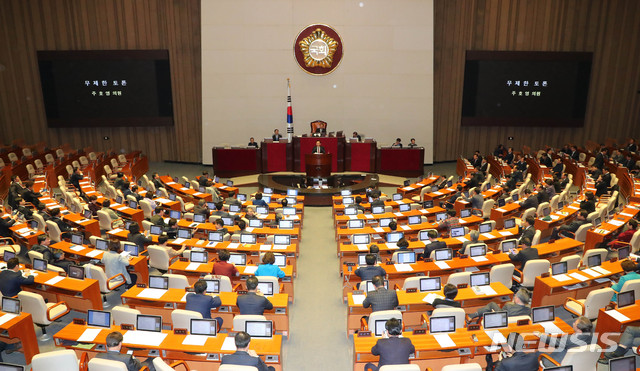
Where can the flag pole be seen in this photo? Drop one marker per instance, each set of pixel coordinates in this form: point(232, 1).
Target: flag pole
point(289, 112)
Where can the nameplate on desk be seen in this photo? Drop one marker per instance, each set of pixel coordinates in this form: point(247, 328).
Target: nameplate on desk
point(183, 259)
point(362, 334)
point(473, 327)
point(180, 331)
point(463, 285)
point(141, 285)
point(358, 292)
point(420, 331)
point(523, 322)
point(242, 292)
point(412, 290)
point(126, 326)
point(79, 321)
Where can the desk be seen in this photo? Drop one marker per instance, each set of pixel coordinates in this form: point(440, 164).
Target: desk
point(232, 162)
point(80, 295)
point(550, 291)
point(406, 162)
point(606, 229)
point(415, 188)
point(608, 324)
point(413, 306)
point(332, 145)
point(22, 328)
point(22, 233)
point(276, 156)
point(361, 156)
point(428, 351)
point(171, 347)
point(176, 299)
point(188, 193)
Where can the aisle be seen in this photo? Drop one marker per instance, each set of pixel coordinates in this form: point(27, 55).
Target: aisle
point(318, 318)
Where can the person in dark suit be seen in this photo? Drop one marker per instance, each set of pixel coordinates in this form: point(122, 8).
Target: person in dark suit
point(53, 257)
point(253, 302)
point(529, 231)
point(122, 184)
point(11, 279)
point(367, 272)
point(530, 200)
point(521, 165)
point(484, 166)
point(318, 148)
point(476, 199)
point(572, 227)
point(42, 210)
point(450, 292)
point(542, 195)
point(204, 178)
point(628, 162)
point(524, 255)
point(582, 328)
point(603, 183)
point(258, 200)
point(276, 135)
point(600, 157)
point(574, 153)
point(392, 349)
point(29, 194)
point(433, 244)
point(133, 191)
point(557, 168)
point(375, 194)
point(75, 179)
point(514, 359)
point(158, 217)
point(589, 203)
point(508, 158)
point(545, 159)
point(252, 143)
point(381, 298)
point(202, 303)
point(356, 136)
point(155, 178)
point(64, 227)
point(412, 144)
point(632, 146)
point(138, 238)
point(518, 307)
point(15, 190)
point(201, 208)
point(114, 345)
point(245, 356)
point(23, 209)
point(397, 143)
point(475, 239)
point(475, 160)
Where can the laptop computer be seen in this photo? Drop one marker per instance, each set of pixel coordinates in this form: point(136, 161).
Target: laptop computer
point(40, 265)
point(427, 204)
point(493, 320)
point(259, 329)
point(184, 233)
point(350, 210)
point(132, 249)
point(626, 298)
point(282, 239)
point(480, 279)
point(198, 256)
point(485, 227)
point(465, 213)
point(238, 258)
point(155, 230)
point(443, 254)
point(430, 284)
point(406, 257)
point(361, 238)
point(559, 268)
point(8, 255)
point(441, 217)
point(158, 282)
point(175, 214)
point(76, 271)
point(102, 244)
point(381, 326)
point(623, 252)
point(249, 238)
point(215, 236)
point(477, 250)
point(288, 224)
point(594, 261)
point(77, 239)
point(204, 327)
point(507, 245)
point(623, 364)
point(456, 232)
point(213, 286)
point(148, 323)
point(396, 196)
point(266, 288)
point(10, 305)
point(543, 314)
point(404, 207)
point(509, 223)
point(415, 219)
point(393, 237)
point(10, 367)
point(98, 318)
point(370, 286)
point(442, 324)
point(292, 192)
point(256, 223)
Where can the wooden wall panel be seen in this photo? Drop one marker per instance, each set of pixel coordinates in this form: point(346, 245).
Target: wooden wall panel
point(28, 26)
point(608, 28)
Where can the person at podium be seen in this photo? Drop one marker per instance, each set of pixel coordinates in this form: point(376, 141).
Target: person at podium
point(276, 135)
point(318, 148)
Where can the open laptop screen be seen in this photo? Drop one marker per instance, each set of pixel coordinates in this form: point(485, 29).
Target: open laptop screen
point(623, 364)
point(351, 210)
point(355, 224)
point(623, 252)
point(266, 288)
point(480, 279)
point(76, 271)
point(394, 237)
point(216, 236)
point(237, 258)
point(281, 260)
point(10, 305)
point(199, 218)
point(148, 323)
point(8, 255)
point(282, 239)
point(159, 282)
point(508, 245)
point(101, 244)
point(465, 213)
point(381, 326)
point(255, 223)
point(626, 298)
point(370, 287)
point(396, 196)
point(443, 254)
point(155, 230)
point(259, 329)
point(98, 318)
point(198, 257)
point(206, 327)
point(406, 257)
point(441, 217)
point(495, 320)
point(485, 227)
point(594, 261)
point(175, 214)
point(509, 223)
point(457, 232)
point(442, 324)
point(415, 219)
point(131, 249)
point(478, 250)
point(213, 286)
point(184, 233)
point(76, 239)
point(559, 268)
point(542, 314)
point(40, 265)
point(430, 284)
point(249, 238)
point(404, 207)
point(288, 224)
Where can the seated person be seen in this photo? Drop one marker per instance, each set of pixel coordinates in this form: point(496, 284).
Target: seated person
point(116, 222)
point(219, 224)
point(525, 254)
point(452, 221)
point(6, 224)
point(204, 179)
point(141, 240)
point(133, 191)
point(251, 213)
point(11, 279)
point(201, 208)
point(367, 272)
point(582, 328)
point(413, 143)
point(162, 242)
point(589, 202)
point(392, 349)
point(223, 267)
point(252, 143)
point(158, 217)
point(113, 353)
point(630, 336)
point(259, 201)
point(476, 199)
point(122, 184)
point(572, 227)
point(276, 135)
point(253, 302)
point(475, 239)
point(450, 292)
point(397, 143)
point(172, 229)
point(630, 273)
point(624, 238)
point(433, 244)
point(355, 136)
point(202, 303)
point(29, 195)
point(529, 200)
point(115, 263)
point(267, 268)
point(219, 211)
point(514, 358)
point(64, 227)
point(403, 244)
point(519, 306)
point(243, 355)
point(52, 256)
point(358, 201)
point(22, 208)
point(42, 210)
point(93, 205)
point(382, 298)
point(529, 230)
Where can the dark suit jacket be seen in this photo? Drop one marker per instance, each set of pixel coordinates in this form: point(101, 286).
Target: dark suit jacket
point(524, 255)
point(377, 202)
point(434, 245)
point(508, 158)
point(318, 150)
point(202, 303)
point(5, 224)
point(575, 155)
point(572, 341)
point(64, 227)
point(558, 169)
point(139, 239)
point(520, 361)
point(31, 196)
point(10, 282)
point(513, 309)
point(132, 363)
point(241, 358)
point(366, 273)
point(393, 351)
point(546, 161)
point(381, 299)
point(531, 201)
point(158, 220)
point(444, 303)
point(75, 180)
point(528, 232)
point(276, 137)
point(599, 161)
point(521, 165)
point(590, 206)
point(252, 303)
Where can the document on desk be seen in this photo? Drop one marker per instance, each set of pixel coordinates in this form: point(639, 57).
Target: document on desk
point(617, 223)
point(403, 267)
point(184, 298)
point(151, 293)
point(591, 272)
point(462, 239)
point(7, 317)
point(362, 247)
point(233, 245)
point(627, 215)
point(368, 216)
point(392, 246)
point(249, 229)
point(578, 276)
point(554, 217)
point(291, 217)
point(444, 340)
point(496, 336)
point(353, 217)
point(573, 207)
point(551, 328)
point(212, 244)
point(617, 315)
point(430, 297)
point(115, 231)
point(93, 253)
point(229, 344)
point(405, 227)
point(379, 229)
point(601, 270)
point(424, 211)
point(442, 264)
point(149, 338)
point(399, 214)
point(479, 259)
point(561, 277)
point(251, 269)
point(505, 233)
point(278, 247)
point(179, 241)
point(89, 335)
point(198, 340)
point(54, 280)
point(501, 210)
point(358, 299)
point(408, 188)
point(193, 266)
point(487, 235)
point(265, 247)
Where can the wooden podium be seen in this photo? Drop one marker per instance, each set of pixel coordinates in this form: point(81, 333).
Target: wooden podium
point(318, 165)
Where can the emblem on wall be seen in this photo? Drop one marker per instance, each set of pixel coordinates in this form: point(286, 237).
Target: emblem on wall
point(318, 49)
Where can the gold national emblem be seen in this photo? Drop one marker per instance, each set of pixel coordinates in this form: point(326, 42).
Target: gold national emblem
point(318, 49)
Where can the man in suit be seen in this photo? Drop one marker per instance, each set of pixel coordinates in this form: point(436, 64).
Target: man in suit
point(133, 191)
point(632, 146)
point(521, 165)
point(253, 302)
point(158, 217)
point(508, 158)
point(318, 148)
point(155, 178)
point(557, 167)
point(545, 159)
point(525, 254)
point(589, 203)
point(381, 298)
point(603, 183)
point(628, 162)
point(138, 238)
point(582, 336)
point(574, 153)
point(201, 302)
point(259, 201)
point(572, 227)
point(476, 199)
point(530, 200)
point(245, 356)
point(518, 307)
point(11, 279)
point(600, 157)
point(52, 257)
point(514, 359)
point(122, 184)
point(397, 143)
point(276, 135)
point(204, 178)
point(22, 208)
point(367, 272)
point(375, 194)
point(529, 231)
point(64, 227)
point(114, 345)
point(252, 143)
point(542, 195)
point(392, 349)
point(15, 190)
point(201, 208)
point(75, 179)
point(29, 194)
point(475, 160)
point(433, 244)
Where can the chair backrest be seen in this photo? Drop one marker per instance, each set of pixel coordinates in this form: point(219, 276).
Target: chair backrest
point(49, 158)
point(97, 273)
point(596, 300)
point(34, 303)
point(502, 273)
point(181, 318)
point(104, 220)
point(126, 315)
point(459, 278)
point(487, 206)
point(41, 223)
point(146, 208)
point(84, 161)
point(114, 163)
point(602, 252)
point(107, 170)
point(177, 281)
point(536, 238)
point(411, 283)
point(58, 360)
point(409, 367)
point(99, 364)
point(583, 358)
point(93, 156)
point(225, 282)
point(632, 285)
point(573, 261)
point(541, 207)
point(146, 225)
point(463, 367)
point(34, 254)
point(158, 257)
point(273, 280)
point(532, 269)
point(528, 212)
point(53, 231)
point(581, 233)
point(456, 312)
point(554, 202)
point(240, 319)
point(634, 243)
point(236, 368)
point(383, 315)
